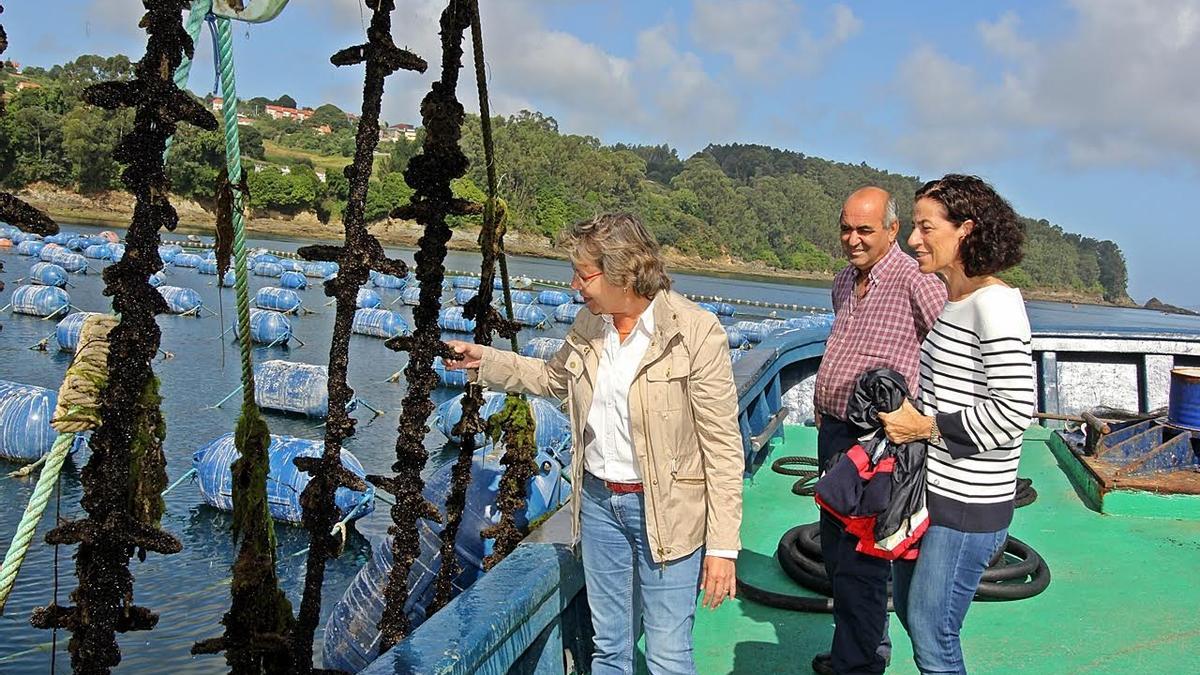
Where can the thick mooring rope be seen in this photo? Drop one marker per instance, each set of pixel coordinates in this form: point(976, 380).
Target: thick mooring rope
point(259, 621)
point(77, 411)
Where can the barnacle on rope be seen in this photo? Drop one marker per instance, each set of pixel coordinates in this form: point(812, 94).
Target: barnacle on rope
point(513, 425)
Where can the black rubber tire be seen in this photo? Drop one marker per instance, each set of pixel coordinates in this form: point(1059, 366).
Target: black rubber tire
point(780, 465)
point(1026, 564)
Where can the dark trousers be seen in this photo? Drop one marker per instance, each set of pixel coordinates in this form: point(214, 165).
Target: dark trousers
point(860, 636)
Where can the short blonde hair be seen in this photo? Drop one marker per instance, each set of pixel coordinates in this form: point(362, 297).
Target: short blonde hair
point(623, 249)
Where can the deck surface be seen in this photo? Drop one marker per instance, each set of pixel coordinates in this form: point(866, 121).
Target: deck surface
point(1124, 595)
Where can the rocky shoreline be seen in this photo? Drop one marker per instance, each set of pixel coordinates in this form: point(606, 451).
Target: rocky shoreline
point(116, 209)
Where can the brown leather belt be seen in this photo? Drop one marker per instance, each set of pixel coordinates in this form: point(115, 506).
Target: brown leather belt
point(623, 488)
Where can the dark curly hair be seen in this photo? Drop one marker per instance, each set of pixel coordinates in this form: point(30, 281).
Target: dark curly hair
point(995, 242)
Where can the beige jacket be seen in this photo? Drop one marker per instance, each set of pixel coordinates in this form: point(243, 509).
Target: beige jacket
point(683, 414)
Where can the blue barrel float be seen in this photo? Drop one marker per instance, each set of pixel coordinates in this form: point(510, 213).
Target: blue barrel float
point(707, 306)
point(321, 269)
point(284, 481)
point(529, 315)
point(61, 238)
point(1183, 406)
point(293, 280)
point(43, 301)
point(411, 295)
point(553, 298)
point(19, 238)
point(48, 250)
point(542, 347)
point(167, 252)
point(288, 386)
point(464, 282)
point(463, 295)
point(278, 299)
point(351, 632)
point(157, 278)
point(25, 412)
point(823, 320)
point(451, 319)
point(180, 300)
point(518, 297)
point(267, 269)
point(566, 313)
point(30, 247)
point(71, 262)
point(118, 251)
point(291, 265)
point(264, 257)
point(68, 329)
point(98, 252)
point(379, 323)
point(736, 339)
point(388, 281)
point(368, 299)
point(267, 327)
point(187, 260)
point(754, 331)
point(208, 267)
point(455, 379)
point(48, 274)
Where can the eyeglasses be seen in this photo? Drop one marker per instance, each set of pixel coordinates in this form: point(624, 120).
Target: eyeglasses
point(583, 279)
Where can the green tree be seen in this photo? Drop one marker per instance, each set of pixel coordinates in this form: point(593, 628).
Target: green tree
point(89, 136)
point(285, 101)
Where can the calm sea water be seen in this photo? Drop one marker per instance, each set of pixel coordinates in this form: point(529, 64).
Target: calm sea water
point(190, 590)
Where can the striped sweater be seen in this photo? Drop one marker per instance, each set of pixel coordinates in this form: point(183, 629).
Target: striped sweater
point(977, 377)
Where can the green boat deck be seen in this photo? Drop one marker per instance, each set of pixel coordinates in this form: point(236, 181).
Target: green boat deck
point(1124, 595)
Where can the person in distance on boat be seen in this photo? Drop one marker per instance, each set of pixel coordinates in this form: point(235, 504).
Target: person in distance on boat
point(977, 398)
point(883, 308)
point(657, 476)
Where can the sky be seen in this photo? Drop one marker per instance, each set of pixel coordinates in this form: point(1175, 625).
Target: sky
point(1085, 113)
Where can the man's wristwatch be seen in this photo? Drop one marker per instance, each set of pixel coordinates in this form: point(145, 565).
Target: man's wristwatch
point(935, 435)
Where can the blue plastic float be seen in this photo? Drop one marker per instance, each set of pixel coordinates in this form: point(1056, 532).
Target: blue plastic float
point(180, 300)
point(20, 237)
point(379, 323)
point(288, 386)
point(187, 260)
point(736, 339)
point(167, 252)
point(68, 329)
point(465, 282)
point(451, 319)
point(294, 280)
point(267, 327)
point(208, 267)
point(157, 278)
point(98, 252)
point(48, 274)
point(529, 315)
point(43, 301)
point(285, 482)
point(566, 313)
point(553, 298)
point(368, 299)
point(278, 299)
point(463, 295)
point(455, 379)
point(71, 262)
point(268, 269)
point(518, 297)
point(388, 281)
point(25, 412)
point(542, 347)
point(411, 295)
point(30, 247)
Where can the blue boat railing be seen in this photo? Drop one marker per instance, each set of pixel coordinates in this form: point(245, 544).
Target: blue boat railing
point(529, 614)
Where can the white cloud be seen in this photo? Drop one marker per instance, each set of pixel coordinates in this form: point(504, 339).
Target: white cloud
point(686, 105)
point(1118, 88)
point(766, 37)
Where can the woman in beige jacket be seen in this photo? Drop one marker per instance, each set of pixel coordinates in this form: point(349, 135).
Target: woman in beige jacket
point(658, 458)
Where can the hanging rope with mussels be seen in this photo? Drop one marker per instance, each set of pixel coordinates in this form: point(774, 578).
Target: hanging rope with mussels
point(124, 478)
point(12, 210)
point(259, 620)
point(360, 253)
point(487, 320)
point(429, 174)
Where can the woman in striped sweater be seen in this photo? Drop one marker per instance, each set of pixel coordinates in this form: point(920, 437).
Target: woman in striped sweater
point(977, 397)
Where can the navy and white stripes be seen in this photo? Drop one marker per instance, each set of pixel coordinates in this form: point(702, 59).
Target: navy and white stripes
point(977, 376)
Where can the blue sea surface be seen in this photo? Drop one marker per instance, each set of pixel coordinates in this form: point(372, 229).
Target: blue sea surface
point(190, 590)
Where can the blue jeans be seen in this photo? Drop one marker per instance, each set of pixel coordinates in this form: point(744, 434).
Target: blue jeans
point(628, 593)
point(933, 593)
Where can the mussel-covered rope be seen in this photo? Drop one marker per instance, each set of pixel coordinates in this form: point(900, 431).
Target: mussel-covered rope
point(429, 173)
point(359, 254)
point(259, 620)
point(123, 480)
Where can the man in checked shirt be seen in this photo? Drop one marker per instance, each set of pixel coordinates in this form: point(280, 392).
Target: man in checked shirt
point(884, 306)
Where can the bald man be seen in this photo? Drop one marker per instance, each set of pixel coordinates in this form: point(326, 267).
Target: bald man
point(884, 306)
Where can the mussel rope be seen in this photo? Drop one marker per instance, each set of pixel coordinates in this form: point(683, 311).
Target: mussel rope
point(258, 605)
point(77, 411)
